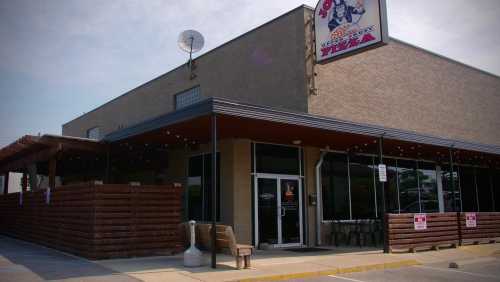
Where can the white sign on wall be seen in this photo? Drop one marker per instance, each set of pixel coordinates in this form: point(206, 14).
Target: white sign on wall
point(470, 220)
point(382, 173)
point(420, 221)
point(343, 26)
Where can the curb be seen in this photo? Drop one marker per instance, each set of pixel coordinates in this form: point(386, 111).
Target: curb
point(333, 271)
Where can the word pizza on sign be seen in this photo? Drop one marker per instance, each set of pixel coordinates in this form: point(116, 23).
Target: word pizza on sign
point(470, 220)
point(343, 26)
point(420, 221)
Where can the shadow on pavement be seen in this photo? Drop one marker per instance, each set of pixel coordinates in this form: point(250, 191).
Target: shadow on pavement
point(54, 265)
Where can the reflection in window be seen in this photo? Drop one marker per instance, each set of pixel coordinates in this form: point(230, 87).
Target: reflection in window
point(428, 187)
point(496, 189)
point(199, 187)
point(362, 187)
point(484, 190)
point(277, 159)
point(468, 189)
point(335, 187)
point(408, 187)
point(448, 190)
point(391, 187)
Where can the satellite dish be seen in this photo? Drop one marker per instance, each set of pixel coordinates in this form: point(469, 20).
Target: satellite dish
point(191, 41)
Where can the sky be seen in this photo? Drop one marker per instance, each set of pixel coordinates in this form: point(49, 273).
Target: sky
point(62, 58)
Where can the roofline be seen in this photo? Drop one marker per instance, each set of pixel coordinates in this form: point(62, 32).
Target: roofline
point(443, 57)
point(237, 109)
point(200, 56)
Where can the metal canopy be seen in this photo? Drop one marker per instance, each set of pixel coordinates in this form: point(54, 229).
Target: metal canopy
point(237, 109)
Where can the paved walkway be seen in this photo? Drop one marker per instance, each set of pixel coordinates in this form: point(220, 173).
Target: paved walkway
point(21, 261)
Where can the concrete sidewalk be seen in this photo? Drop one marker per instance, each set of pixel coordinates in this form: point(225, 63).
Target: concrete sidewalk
point(281, 265)
point(22, 261)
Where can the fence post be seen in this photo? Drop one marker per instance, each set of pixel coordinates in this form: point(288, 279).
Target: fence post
point(459, 222)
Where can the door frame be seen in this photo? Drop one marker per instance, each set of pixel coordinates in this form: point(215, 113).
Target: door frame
point(278, 178)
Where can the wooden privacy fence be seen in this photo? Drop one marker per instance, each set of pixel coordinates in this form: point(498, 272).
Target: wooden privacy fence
point(442, 229)
point(97, 221)
point(486, 229)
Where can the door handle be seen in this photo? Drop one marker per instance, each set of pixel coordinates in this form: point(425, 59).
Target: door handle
point(283, 211)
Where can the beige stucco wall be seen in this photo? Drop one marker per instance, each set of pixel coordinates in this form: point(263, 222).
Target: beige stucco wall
point(264, 67)
point(242, 190)
point(311, 158)
point(403, 87)
point(235, 194)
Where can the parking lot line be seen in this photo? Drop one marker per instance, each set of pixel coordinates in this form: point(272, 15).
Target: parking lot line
point(345, 278)
point(457, 271)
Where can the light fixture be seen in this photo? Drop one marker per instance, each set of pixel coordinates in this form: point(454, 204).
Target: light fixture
point(297, 142)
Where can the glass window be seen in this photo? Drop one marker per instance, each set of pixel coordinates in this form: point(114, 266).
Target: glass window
point(483, 182)
point(93, 133)
point(195, 188)
point(277, 159)
point(496, 189)
point(187, 98)
point(335, 185)
point(449, 190)
point(362, 187)
point(199, 187)
point(408, 187)
point(427, 178)
point(468, 189)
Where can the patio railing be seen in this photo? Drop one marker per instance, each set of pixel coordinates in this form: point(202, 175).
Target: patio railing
point(97, 221)
point(435, 230)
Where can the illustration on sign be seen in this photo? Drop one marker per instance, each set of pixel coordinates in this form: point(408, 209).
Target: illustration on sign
point(470, 220)
point(420, 221)
point(342, 26)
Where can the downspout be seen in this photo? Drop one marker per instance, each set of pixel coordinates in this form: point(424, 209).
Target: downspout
point(319, 198)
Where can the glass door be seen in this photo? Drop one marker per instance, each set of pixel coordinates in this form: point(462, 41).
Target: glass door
point(279, 211)
point(267, 210)
point(290, 211)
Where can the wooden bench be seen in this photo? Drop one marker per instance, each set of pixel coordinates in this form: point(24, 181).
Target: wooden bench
point(225, 241)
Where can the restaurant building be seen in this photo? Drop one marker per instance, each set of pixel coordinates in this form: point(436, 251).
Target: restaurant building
point(299, 138)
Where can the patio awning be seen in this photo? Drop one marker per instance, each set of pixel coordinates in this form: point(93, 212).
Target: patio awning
point(31, 149)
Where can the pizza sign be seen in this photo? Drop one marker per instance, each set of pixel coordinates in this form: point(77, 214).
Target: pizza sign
point(342, 26)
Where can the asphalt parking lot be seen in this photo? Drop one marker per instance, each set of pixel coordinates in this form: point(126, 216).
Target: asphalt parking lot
point(479, 270)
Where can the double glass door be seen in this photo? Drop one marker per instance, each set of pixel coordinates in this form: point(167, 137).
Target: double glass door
point(279, 210)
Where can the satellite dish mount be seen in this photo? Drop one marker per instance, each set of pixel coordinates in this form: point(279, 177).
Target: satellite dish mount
point(191, 41)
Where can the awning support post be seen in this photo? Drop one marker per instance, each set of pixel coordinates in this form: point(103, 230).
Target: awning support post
point(385, 226)
point(214, 189)
point(452, 180)
point(24, 182)
point(52, 172)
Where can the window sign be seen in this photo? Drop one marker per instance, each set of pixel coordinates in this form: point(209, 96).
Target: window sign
point(420, 221)
point(470, 220)
point(382, 173)
point(343, 26)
